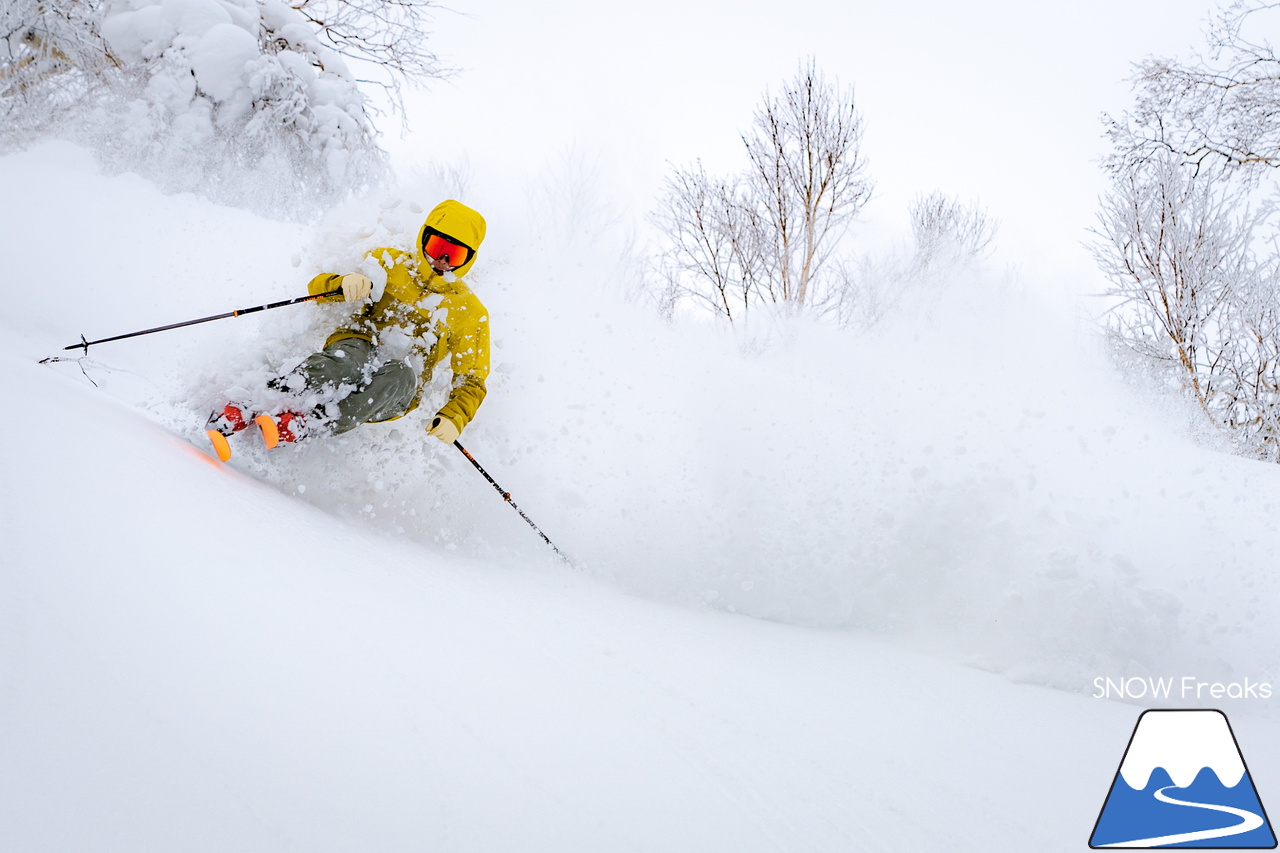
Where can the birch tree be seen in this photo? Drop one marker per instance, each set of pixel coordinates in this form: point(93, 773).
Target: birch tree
point(1215, 113)
point(767, 235)
point(1182, 232)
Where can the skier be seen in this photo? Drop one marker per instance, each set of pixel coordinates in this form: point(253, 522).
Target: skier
point(364, 374)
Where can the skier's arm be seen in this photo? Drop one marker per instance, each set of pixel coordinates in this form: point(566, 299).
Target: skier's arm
point(354, 287)
point(469, 358)
point(465, 398)
point(324, 283)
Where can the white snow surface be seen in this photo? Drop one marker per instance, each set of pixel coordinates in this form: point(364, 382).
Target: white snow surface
point(835, 589)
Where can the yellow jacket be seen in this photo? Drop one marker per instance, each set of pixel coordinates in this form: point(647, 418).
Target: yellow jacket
point(444, 317)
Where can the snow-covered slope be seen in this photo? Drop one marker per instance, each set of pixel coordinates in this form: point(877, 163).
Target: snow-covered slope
point(355, 645)
point(968, 477)
point(192, 661)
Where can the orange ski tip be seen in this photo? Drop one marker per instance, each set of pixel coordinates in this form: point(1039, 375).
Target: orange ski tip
point(270, 434)
point(220, 444)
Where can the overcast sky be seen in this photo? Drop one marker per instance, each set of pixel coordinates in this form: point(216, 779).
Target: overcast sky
point(996, 100)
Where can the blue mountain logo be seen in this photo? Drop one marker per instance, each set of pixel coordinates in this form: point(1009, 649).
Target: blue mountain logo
point(1183, 783)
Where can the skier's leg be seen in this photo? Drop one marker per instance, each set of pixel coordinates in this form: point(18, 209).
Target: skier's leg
point(343, 373)
point(344, 362)
point(389, 393)
point(318, 384)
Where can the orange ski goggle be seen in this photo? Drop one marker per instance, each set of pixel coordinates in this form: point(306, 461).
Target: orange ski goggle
point(440, 247)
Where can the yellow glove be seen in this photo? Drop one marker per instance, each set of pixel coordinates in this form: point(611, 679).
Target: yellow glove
point(443, 429)
point(356, 287)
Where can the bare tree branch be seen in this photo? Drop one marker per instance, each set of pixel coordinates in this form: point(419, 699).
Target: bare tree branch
point(944, 228)
point(389, 34)
point(767, 236)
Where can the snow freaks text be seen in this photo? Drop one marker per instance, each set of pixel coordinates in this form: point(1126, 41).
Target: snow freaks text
point(1187, 688)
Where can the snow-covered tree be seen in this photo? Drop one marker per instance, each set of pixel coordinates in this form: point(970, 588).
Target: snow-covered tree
point(767, 235)
point(948, 238)
point(1182, 235)
point(1214, 113)
point(251, 100)
point(717, 250)
point(50, 52)
point(946, 229)
point(1174, 253)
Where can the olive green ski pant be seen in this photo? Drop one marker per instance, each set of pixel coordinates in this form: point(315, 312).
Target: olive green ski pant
point(378, 393)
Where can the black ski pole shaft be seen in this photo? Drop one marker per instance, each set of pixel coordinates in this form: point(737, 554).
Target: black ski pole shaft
point(237, 313)
point(506, 496)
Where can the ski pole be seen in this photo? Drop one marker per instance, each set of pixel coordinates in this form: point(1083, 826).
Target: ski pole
point(506, 496)
point(238, 312)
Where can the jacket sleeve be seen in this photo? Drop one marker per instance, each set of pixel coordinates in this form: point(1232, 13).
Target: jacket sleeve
point(469, 358)
point(323, 283)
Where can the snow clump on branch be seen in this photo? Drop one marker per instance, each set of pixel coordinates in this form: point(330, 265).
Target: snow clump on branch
point(236, 99)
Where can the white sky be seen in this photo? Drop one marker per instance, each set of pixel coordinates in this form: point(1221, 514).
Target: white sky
point(997, 100)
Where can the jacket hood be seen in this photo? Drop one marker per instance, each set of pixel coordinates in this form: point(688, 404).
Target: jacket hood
point(459, 222)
